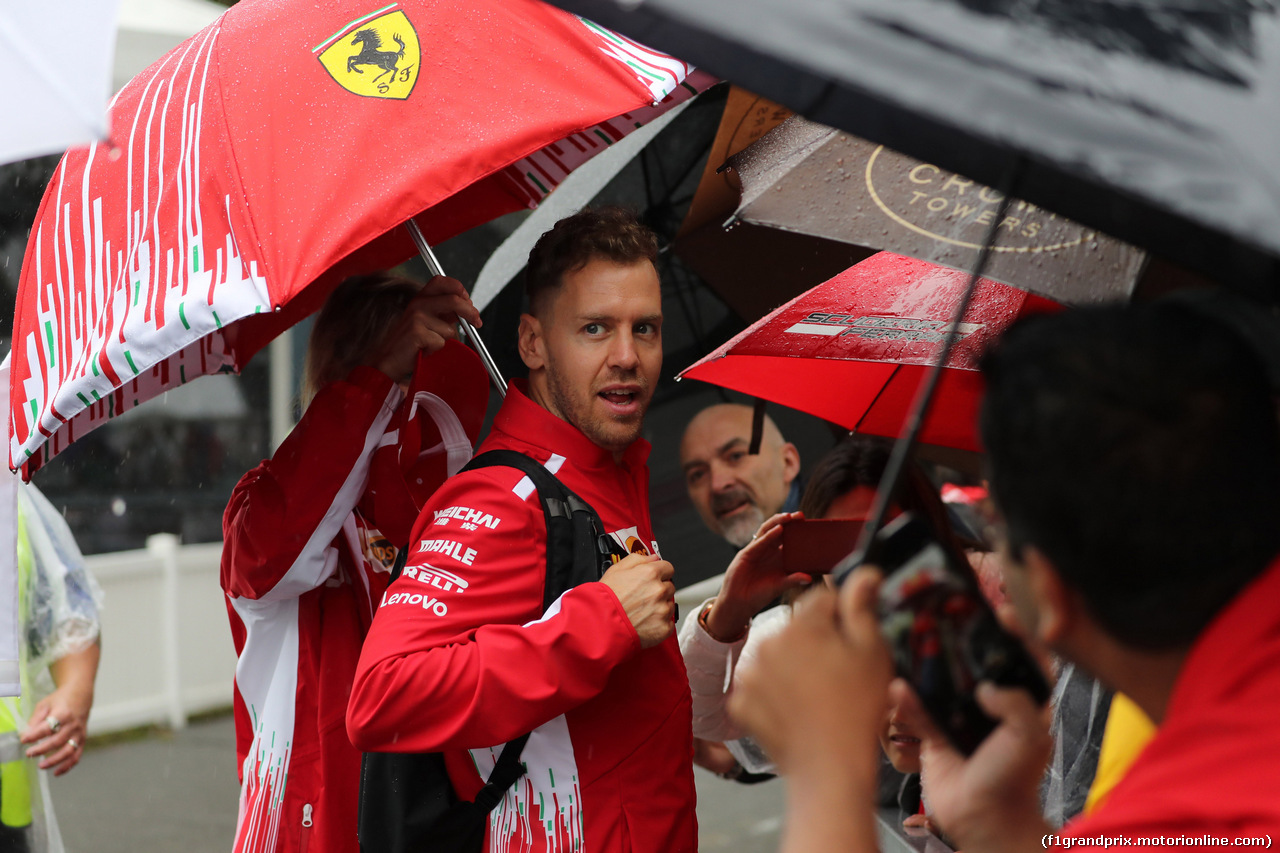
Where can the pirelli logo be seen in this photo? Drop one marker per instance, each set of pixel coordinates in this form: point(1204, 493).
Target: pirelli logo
point(438, 578)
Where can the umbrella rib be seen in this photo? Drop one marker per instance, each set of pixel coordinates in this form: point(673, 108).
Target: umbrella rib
point(883, 387)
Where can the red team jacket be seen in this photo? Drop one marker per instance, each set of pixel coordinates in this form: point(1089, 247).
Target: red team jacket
point(310, 540)
point(460, 657)
point(302, 571)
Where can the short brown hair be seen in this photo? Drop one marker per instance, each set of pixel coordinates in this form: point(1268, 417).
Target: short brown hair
point(610, 233)
point(354, 320)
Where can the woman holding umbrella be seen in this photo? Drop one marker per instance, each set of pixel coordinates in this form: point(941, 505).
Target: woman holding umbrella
point(312, 534)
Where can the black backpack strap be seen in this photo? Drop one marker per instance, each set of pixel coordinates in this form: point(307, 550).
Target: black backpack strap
point(577, 549)
point(402, 559)
point(506, 771)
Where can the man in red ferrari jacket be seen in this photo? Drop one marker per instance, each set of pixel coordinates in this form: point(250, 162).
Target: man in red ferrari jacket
point(461, 658)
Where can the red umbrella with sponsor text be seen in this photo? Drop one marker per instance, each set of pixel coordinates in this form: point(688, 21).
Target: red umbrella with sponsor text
point(281, 149)
point(855, 349)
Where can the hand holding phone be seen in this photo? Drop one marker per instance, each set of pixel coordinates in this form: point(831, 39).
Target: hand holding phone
point(943, 635)
point(757, 575)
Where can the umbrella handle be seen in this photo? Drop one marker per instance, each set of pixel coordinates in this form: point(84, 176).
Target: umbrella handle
point(469, 331)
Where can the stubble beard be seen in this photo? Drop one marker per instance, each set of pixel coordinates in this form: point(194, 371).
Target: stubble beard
point(611, 434)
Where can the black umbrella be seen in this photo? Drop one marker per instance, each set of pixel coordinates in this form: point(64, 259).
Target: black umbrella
point(1156, 121)
point(807, 178)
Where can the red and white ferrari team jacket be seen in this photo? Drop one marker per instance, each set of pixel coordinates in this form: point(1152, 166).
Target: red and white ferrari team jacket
point(302, 568)
point(461, 657)
point(310, 540)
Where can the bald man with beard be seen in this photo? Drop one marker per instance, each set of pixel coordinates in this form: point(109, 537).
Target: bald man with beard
point(733, 490)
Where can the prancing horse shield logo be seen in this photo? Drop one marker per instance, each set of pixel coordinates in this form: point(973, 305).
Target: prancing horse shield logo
point(376, 55)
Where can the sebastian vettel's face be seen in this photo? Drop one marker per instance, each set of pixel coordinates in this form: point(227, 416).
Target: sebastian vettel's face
point(595, 357)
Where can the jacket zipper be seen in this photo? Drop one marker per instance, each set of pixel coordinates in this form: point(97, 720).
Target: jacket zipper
point(304, 840)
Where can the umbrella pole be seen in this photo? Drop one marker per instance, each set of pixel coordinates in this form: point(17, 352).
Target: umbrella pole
point(902, 448)
point(468, 331)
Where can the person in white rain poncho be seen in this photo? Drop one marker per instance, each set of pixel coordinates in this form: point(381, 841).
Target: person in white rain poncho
point(44, 728)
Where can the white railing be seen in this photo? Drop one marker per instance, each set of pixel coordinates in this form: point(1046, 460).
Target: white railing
point(166, 641)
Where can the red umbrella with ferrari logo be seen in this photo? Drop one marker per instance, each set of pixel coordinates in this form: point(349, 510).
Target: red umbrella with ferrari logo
point(281, 149)
point(855, 349)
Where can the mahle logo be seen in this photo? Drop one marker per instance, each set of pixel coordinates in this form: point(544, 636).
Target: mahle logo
point(376, 56)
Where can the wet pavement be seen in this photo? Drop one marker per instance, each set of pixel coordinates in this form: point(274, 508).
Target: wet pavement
point(172, 791)
point(176, 791)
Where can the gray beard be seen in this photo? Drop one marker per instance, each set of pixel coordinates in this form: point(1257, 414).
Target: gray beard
point(740, 529)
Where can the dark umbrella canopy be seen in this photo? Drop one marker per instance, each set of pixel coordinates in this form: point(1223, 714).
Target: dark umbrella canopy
point(1157, 122)
point(807, 178)
point(753, 269)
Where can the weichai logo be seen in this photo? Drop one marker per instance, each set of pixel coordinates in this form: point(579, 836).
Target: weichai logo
point(376, 56)
point(468, 518)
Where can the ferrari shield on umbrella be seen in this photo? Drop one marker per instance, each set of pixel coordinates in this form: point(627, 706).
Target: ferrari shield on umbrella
point(387, 63)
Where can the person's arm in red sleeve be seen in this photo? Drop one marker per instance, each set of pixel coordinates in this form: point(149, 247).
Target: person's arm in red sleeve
point(459, 654)
point(284, 514)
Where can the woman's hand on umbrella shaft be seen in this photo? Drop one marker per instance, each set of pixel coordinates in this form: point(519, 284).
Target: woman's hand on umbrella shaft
point(428, 321)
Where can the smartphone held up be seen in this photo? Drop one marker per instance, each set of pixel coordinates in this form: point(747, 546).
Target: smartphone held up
point(944, 637)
